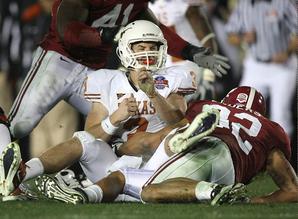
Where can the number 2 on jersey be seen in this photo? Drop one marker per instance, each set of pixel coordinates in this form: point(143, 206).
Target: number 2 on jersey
point(252, 131)
point(110, 19)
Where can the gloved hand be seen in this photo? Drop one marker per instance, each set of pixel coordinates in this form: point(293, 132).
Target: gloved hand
point(205, 59)
point(108, 34)
point(216, 63)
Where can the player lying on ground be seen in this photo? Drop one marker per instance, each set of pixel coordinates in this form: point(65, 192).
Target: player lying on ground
point(143, 97)
point(243, 144)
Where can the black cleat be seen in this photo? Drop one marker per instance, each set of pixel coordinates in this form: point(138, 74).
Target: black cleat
point(231, 194)
point(203, 124)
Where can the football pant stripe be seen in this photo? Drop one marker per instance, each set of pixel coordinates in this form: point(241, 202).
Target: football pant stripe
point(166, 164)
point(27, 83)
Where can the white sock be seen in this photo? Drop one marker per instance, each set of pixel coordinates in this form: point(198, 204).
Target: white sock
point(4, 136)
point(204, 189)
point(94, 193)
point(34, 168)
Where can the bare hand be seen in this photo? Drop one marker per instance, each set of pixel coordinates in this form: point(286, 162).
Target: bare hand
point(146, 82)
point(281, 57)
point(128, 107)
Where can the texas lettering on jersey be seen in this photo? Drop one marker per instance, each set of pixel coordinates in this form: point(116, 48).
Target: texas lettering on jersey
point(111, 87)
point(249, 136)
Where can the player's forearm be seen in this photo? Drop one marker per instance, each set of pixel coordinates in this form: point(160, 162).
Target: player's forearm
point(175, 43)
point(166, 111)
point(201, 27)
point(277, 197)
point(98, 132)
point(71, 27)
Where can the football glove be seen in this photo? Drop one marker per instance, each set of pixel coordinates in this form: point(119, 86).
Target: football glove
point(205, 59)
point(108, 34)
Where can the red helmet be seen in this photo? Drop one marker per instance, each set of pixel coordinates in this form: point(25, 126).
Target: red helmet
point(246, 97)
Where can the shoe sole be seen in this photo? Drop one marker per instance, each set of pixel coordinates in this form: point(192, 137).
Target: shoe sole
point(6, 177)
point(235, 192)
point(195, 131)
point(51, 189)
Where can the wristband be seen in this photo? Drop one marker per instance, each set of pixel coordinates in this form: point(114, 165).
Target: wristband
point(108, 127)
point(206, 38)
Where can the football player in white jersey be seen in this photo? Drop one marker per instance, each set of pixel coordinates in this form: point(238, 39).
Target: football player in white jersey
point(144, 97)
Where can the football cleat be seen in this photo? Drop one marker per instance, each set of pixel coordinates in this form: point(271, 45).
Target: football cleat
point(67, 177)
point(231, 194)
point(22, 193)
point(202, 125)
point(12, 169)
point(52, 189)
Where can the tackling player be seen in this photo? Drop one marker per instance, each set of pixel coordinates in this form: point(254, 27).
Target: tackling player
point(253, 143)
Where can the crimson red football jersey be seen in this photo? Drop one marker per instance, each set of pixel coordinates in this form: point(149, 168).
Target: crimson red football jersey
point(3, 118)
point(249, 136)
point(101, 14)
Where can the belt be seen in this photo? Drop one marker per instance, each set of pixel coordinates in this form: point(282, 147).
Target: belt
point(264, 60)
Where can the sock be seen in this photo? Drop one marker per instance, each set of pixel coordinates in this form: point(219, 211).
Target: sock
point(4, 136)
point(34, 168)
point(204, 189)
point(94, 193)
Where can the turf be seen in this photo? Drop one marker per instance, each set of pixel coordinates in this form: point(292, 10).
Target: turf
point(47, 209)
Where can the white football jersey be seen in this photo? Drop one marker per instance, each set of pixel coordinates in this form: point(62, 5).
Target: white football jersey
point(111, 87)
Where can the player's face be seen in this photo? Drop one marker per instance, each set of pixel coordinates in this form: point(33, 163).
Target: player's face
point(145, 47)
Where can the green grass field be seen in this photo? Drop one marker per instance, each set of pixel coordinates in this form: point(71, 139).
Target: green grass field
point(47, 209)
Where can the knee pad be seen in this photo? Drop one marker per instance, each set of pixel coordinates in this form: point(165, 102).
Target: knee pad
point(97, 156)
point(85, 138)
point(134, 180)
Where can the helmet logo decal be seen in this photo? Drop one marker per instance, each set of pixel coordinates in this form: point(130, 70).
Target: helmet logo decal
point(242, 98)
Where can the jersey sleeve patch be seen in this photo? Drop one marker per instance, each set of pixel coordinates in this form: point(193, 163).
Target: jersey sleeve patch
point(185, 80)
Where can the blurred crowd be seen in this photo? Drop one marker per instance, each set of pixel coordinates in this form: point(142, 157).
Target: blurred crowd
point(261, 54)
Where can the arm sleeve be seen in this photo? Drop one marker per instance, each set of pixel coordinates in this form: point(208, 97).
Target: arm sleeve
point(282, 141)
point(175, 43)
point(93, 87)
point(78, 34)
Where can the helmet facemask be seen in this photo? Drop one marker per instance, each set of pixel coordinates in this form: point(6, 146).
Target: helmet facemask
point(152, 60)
